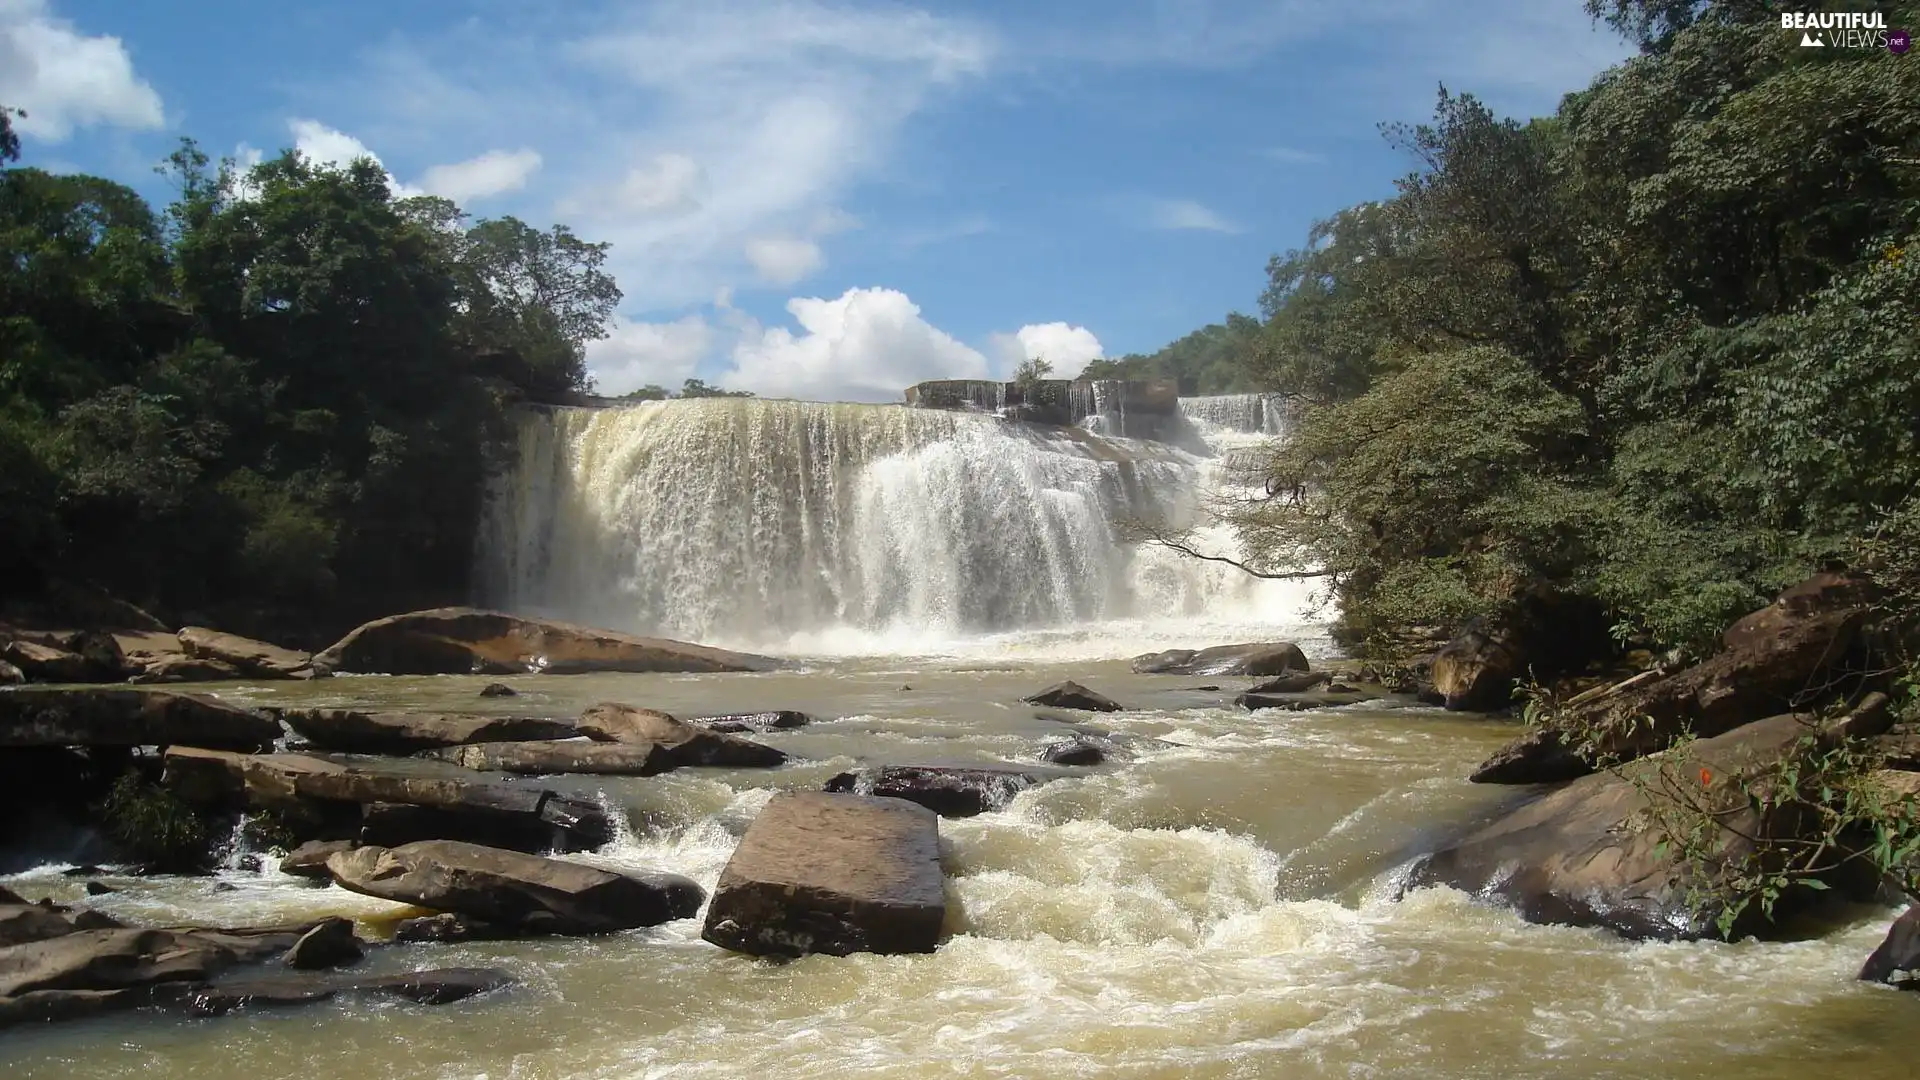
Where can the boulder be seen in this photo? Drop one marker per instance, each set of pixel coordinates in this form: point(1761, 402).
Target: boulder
point(1475, 671)
point(122, 959)
point(555, 758)
point(834, 874)
point(329, 945)
point(97, 716)
point(497, 689)
point(441, 987)
point(1293, 682)
point(21, 923)
point(1253, 658)
point(683, 743)
point(354, 732)
point(1071, 695)
point(47, 663)
point(448, 928)
point(740, 723)
point(1897, 961)
point(461, 641)
point(1080, 750)
point(1323, 699)
point(1588, 854)
point(11, 675)
point(506, 888)
point(180, 668)
point(1775, 659)
point(255, 659)
point(948, 790)
point(309, 860)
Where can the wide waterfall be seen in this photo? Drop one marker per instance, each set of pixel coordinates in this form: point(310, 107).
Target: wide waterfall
point(777, 524)
point(1264, 414)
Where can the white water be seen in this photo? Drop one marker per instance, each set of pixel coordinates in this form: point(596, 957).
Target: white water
point(858, 529)
point(1264, 414)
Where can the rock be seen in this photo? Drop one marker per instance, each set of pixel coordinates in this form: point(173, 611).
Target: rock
point(1071, 695)
point(49, 716)
point(122, 959)
point(1476, 671)
point(1325, 699)
point(354, 732)
point(340, 791)
point(510, 889)
point(256, 659)
point(448, 928)
point(1293, 682)
point(950, 791)
point(440, 987)
point(331, 944)
point(684, 743)
point(460, 641)
point(45, 663)
point(1253, 658)
point(309, 860)
point(1585, 855)
point(1871, 718)
point(553, 758)
point(179, 668)
point(96, 920)
point(497, 689)
point(1077, 751)
point(1774, 661)
point(739, 723)
point(89, 870)
point(1897, 961)
point(95, 888)
point(834, 874)
point(11, 675)
point(21, 923)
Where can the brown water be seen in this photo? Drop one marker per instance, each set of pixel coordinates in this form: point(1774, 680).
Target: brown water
point(1219, 908)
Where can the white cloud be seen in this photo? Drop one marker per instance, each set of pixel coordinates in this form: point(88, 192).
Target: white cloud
point(663, 184)
point(65, 79)
point(495, 172)
point(784, 260)
point(1183, 214)
point(635, 354)
point(323, 145)
point(1066, 347)
point(868, 345)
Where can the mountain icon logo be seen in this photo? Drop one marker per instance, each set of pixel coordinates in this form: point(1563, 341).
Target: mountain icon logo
point(1811, 41)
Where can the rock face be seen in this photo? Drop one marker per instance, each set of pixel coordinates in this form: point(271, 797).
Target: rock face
point(353, 732)
point(1254, 658)
point(741, 723)
point(556, 758)
point(255, 659)
point(950, 791)
point(683, 743)
point(386, 801)
point(1475, 671)
point(1071, 695)
point(461, 641)
point(1897, 961)
point(1774, 660)
point(834, 874)
point(47, 716)
point(528, 893)
point(1582, 855)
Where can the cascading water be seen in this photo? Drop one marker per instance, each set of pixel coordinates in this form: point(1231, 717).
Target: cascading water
point(757, 523)
point(1264, 414)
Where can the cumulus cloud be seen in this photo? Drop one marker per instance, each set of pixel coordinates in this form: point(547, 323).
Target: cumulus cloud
point(1066, 347)
point(868, 345)
point(636, 354)
point(1179, 214)
point(495, 172)
point(65, 79)
point(783, 260)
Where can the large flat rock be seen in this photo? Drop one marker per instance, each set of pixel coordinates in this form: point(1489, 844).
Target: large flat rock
point(354, 732)
point(683, 743)
point(528, 893)
point(128, 716)
point(258, 659)
point(835, 874)
point(1251, 658)
point(557, 758)
point(460, 641)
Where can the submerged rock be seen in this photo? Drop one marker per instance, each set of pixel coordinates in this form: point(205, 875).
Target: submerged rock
point(834, 874)
point(1253, 658)
point(354, 732)
point(1897, 961)
point(440, 987)
point(255, 659)
point(510, 889)
point(740, 723)
point(683, 743)
point(448, 928)
point(496, 689)
point(1325, 699)
point(947, 790)
point(120, 716)
point(1293, 682)
point(461, 641)
point(1071, 695)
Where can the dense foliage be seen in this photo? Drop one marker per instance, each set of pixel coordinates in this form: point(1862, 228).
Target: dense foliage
point(1222, 358)
point(691, 388)
point(276, 394)
point(1660, 350)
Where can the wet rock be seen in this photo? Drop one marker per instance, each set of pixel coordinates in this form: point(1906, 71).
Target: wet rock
point(96, 888)
point(254, 659)
point(1583, 855)
point(1071, 695)
point(834, 874)
point(510, 889)
point(684, 744)
point(400, 733)
point(441, 987)
point(1293, 682)
point(1253, 658)
point(740, 723)
point(551, 758)
point(1897, 961)
point(178, 668)
point(950, 791)
point(1476, 671)
point(331, 944)
point(309, 860)
point(1324, 699)
point(1774, 660)
point(121, 959)
point(98, 717)
point(22, 922)
point(83, 871)
point(96, 920)
point(461, 641)
point(496, 689)
point(1077, 751)
point(394, 824)
point(448, 928)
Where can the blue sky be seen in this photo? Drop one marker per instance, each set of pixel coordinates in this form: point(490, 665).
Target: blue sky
point(824, 200)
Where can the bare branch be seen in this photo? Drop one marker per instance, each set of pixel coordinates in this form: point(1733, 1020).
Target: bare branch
point(1180, 541)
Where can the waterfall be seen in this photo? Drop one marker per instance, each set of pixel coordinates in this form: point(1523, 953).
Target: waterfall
point(1264, 414)
point(750, 522)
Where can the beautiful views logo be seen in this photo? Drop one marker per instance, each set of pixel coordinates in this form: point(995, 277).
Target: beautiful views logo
point(1845, 30)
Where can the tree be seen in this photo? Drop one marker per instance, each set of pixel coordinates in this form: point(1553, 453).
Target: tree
point(540, 296)
point(9, 142)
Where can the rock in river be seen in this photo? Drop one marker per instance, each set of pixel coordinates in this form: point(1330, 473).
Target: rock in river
point(834, 874)
point(948, 790)
point(557, 758)
point(1897, 961)
point(354, 732)
point(1071, 695)
point(329, 945)
point(683, 743)
point(529, 893)
point(257, 659)
point(1254, 658)
point(462, 641)
point(101, 716)
point(741, 723)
